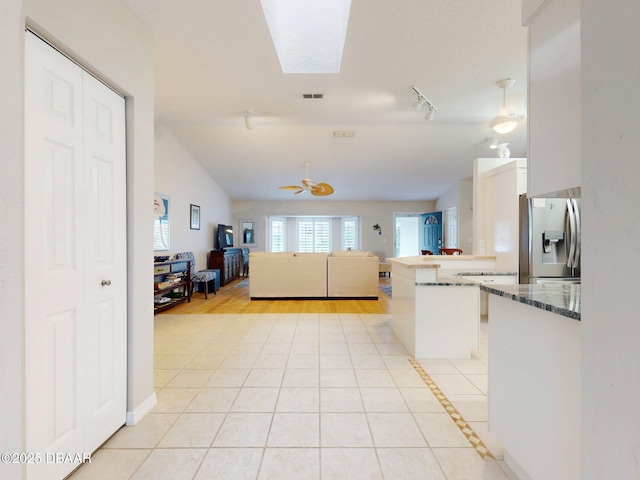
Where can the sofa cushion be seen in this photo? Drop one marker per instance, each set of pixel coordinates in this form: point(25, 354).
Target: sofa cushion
point(271, 254)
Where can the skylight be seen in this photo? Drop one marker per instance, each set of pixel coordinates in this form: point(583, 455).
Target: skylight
point(308, 34)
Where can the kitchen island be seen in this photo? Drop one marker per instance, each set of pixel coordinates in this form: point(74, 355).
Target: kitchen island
point(534, 377)
point(435, 313)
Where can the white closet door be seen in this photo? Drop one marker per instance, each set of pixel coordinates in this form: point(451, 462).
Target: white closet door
point(75, 347)
point(104, 261)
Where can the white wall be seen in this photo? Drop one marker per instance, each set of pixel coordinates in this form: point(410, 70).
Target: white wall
point(461, 197)
point(182, 178)
point(11, 236)
point(610, 262)
point(124, 57)
point(370, 213)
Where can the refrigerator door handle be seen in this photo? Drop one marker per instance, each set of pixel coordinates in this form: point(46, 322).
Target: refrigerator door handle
point(572, 234)
point(576, 209)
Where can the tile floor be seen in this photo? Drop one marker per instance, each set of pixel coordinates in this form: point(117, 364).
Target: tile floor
point(298, 396)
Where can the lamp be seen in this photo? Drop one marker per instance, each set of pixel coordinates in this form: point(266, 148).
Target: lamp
point(248, 119)
point(505, 121)
point(422, 101)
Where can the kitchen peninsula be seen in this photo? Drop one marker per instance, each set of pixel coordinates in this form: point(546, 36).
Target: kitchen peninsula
point(534, 377)
point(436, 314)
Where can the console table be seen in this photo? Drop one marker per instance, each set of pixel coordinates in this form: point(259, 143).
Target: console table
point(228, 261)
point(171, 282)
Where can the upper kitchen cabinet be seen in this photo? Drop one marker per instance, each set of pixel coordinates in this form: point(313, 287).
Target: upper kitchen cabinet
point(554, 96)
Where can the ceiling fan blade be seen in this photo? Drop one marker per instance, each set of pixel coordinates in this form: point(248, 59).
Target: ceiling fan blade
point(302, 190)
point(290, 187)
point(321, 189)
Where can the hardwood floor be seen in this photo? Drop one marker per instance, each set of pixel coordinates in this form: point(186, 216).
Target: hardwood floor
point(234, 299)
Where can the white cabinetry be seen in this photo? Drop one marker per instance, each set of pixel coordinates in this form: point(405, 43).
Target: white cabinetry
point(554, 96)
point(503, 186)
point(496, 210)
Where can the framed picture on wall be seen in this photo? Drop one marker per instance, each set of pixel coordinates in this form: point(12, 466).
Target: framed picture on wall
point(195, 217)
point(248, 232)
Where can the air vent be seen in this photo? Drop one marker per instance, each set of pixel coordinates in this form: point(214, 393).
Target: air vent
point(312, 95)
point(343, 133)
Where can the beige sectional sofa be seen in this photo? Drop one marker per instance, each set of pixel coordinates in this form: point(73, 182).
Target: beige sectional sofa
point(341, 274)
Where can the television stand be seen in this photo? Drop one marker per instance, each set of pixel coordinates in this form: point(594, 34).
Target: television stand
point(228, 261)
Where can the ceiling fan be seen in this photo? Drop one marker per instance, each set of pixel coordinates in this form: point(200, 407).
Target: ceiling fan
point(308, 185)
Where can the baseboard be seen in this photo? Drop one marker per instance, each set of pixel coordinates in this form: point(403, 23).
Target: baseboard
point(515, 466)
point(144, 408)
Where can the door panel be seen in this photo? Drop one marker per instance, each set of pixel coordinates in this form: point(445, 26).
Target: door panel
point(75, 237)
point(431, 231)
point(53, 265)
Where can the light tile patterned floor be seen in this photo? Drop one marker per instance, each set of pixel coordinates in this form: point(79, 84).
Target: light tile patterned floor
point(298, 396)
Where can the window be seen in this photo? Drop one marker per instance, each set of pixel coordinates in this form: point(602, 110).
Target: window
point(349, 233)
point(314, 235)
point(278, 231)
point(307, 234)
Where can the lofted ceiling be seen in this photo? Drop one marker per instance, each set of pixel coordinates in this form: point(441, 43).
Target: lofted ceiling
point(214, 59)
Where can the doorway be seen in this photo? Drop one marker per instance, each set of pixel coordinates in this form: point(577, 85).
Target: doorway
point(407, 234)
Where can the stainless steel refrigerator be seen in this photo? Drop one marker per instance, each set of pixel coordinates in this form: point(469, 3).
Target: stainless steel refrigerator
point(549, 240)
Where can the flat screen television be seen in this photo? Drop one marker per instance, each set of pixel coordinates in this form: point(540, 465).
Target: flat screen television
point(225, 236)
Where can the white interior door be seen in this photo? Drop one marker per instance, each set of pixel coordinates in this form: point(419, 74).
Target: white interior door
point(75, 225)
point(450, 227)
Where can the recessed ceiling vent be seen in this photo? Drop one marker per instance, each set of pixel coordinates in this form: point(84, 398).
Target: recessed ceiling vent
point(312, 95)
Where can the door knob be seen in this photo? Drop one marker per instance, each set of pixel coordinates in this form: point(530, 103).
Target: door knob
point(106, 283)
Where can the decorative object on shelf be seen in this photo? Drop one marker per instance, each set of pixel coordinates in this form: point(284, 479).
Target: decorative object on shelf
point(160, 222)
point(195, 217)
point(377, 228)
point(422, 101)
point(308, 185)
point(248, 232)
point(160, 258)
point(506, 120)
point(503, 150)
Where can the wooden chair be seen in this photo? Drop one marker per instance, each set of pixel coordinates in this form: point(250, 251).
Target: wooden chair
point(426, 252)
point(450, 251)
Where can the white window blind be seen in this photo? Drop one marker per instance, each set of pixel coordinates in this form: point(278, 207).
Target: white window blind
point(278, 231)
point(349, 233)
point(314, 235)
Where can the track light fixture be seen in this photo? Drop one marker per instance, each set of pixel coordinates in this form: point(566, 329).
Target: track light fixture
point(494, 143)
point(422, 101)
point(248, 119)
point(419, 104)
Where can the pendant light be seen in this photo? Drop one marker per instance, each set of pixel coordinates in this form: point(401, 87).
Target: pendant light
point(505, 121)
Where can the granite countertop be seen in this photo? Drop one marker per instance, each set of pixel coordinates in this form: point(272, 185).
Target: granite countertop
point(433, 261)
point(449, 282)
point(560, 298)
point(490, 273)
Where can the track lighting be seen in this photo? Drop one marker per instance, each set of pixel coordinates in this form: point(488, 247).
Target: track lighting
point(248, 119)
point(430, 113)
point(419, 104)
point(422, 101)
point(494, 143)
point(505, 121)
